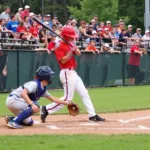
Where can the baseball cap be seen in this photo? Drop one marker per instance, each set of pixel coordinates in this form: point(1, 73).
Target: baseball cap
point(27, 6)
point(106, 29)
point(93, 32)
point(47, 15)
point(46, 23)
point(108, 22)
point(74, 21)
point(20, 9)
point(91, 26)
point(99, 29)
point(93, 20)
point(106, 45)
point(138, 29)
point(147, 31)
point(129, 26)
point(31, 14)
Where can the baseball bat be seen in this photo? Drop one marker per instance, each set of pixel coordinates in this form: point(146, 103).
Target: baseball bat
point(48, 28)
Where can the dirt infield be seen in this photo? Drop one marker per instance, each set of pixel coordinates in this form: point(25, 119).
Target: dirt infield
point(117, 123)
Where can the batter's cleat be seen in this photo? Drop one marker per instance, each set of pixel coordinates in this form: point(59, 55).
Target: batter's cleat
point(12, 124)
point(8, 118)
point(96, 118)
point(43, 113)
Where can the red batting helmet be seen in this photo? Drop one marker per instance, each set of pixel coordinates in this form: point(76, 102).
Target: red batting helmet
point(68, 32)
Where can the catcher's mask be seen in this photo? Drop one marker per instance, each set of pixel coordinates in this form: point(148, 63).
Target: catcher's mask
point(45, 73)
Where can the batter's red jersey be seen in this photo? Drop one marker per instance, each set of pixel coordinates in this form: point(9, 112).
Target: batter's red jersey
point(62, 51)
point(134, 58)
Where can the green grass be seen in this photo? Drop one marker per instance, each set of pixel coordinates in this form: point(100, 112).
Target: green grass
point(105, 100)
point(75, 142)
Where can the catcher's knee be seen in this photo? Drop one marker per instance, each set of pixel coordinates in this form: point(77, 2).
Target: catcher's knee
point(30, 123)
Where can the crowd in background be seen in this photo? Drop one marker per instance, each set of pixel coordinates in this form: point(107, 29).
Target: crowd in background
point(22, 26)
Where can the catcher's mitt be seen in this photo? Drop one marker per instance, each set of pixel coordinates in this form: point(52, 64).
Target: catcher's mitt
point(73, 109)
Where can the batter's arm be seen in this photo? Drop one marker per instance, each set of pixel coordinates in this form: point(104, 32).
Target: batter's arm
point(57, 100)
point(66, 58)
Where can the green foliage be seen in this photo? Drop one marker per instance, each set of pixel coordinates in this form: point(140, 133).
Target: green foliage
point(132, 12)
point(104, 9)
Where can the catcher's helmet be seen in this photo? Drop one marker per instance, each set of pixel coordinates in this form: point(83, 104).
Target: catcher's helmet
point(45, 73)
point(68, 32)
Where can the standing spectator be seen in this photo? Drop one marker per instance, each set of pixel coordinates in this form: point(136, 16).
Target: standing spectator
point(93, 23)
point(134, 62)
point(26, 12)
point(121, 25)
point(123, 38)
point(116, 30)
point(96, 21)
point(102, 26)
point(31, 15)
point(137, 35)
point(5, 15)
point(108, 26)
point(95, 37)
point(39, 16)
point(18, 14)
point(48, 18)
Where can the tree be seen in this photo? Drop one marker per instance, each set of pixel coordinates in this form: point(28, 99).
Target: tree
point(132, 12)
point(104, 9)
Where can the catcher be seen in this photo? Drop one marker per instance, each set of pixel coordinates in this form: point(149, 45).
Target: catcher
point(22, 102)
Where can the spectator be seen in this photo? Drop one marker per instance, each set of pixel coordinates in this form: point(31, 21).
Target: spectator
point(134, 62)
point(26, 12)
point(129, 31)
point(93, 23)
point(18, 14)
point(92, 47)
point(116, 30)
point(48, 19)
point(39, 16)
point(55, 19)
point(12, 25)
point(27, 23)
point(5, 15)
point(54, 29)
point(121, 25)
point(31, 15)
point(102, 26)
point(73, 24)
point(95, 37)
point(23, 31)
point(107, 49)
point(123, 38)
point(137, 35)
point(108, 26)
point(106, 33)
point(146, 38)
point(42, 35)
point(96, 21)
point(34, 32)
point(114, 38)
point(59, 29)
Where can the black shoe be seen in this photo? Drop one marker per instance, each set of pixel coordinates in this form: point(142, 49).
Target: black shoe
point(8, 118)
point(96, 118)
point(43, 113)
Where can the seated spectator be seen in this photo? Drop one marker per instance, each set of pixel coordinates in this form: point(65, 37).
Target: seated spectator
point(27, 23)
point(43, 37)
point(39, 16)
point(34, 32)
point(31, 15)
point(95, 37)
point(73, 24)
point(25, 12)
point(92, 47)
point(56, 21)
point(108, 26)
point(123, 38)
point(106, 35)
point(113, 37)
point(59, 29)
point(102, 26)
point(106, 49)
point(23, 31)
point(18, 14)
point(129, 31)
point(137, 35)
point(48, 19)
point(5, 15)
point(3, 29)
point(12, 25)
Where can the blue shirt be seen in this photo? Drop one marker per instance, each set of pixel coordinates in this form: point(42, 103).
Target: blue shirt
point(12, 25)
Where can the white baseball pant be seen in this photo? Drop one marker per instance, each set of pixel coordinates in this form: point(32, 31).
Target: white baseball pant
point(72, 82)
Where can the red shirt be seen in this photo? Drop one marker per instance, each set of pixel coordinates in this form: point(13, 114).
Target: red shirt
point(24, 13)
point(134, 58)
point(34, 31)
point(62, 51)
point(51, 45)
point(91, 47)
point(21, 29)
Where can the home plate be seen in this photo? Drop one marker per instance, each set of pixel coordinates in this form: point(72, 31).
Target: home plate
point(89, 124)
point(37, 122)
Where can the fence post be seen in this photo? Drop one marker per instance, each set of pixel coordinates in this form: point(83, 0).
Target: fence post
point(123, 67)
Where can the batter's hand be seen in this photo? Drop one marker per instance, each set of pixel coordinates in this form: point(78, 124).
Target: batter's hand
point(35, 108)
point(72, 46)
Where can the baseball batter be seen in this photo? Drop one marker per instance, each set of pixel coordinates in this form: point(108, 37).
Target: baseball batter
point(22, 102)
point(65, 53)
